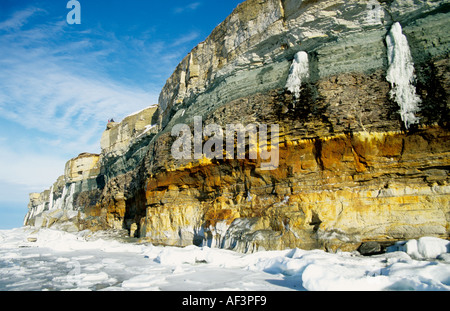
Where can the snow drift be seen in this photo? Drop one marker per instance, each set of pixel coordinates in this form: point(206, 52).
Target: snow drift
point(56, 260)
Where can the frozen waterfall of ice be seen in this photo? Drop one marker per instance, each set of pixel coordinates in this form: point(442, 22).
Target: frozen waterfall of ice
point(401, 75)
point(298, 73)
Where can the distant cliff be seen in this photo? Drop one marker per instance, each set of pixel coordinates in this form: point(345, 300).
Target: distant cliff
point(360, 93)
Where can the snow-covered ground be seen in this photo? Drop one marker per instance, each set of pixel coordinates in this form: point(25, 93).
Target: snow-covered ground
point(55, 260)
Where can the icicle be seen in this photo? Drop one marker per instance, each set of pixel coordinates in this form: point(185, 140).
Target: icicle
point(50, 201)
point(60, 201)
point(68, 199)
point(298, 73)
point(401, 75)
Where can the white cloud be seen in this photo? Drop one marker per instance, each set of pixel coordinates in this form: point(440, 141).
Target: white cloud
point(54, 100)
point(190, 7)
point(20, 18)
point(32, 171)
point(68, 106)
point(185, 39)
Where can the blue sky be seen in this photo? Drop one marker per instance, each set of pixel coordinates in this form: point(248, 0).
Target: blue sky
point(60, 83)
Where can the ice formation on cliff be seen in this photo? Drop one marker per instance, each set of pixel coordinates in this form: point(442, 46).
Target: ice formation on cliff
point(298, 73)
point(401, 75)
point(50, 207)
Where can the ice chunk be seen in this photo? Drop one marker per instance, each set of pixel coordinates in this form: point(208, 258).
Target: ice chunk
point(424, 248)
point(431, 248)
point(412, 249)
point(401, 75)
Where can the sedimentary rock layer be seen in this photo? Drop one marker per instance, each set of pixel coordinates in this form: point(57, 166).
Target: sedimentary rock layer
point(348, 169)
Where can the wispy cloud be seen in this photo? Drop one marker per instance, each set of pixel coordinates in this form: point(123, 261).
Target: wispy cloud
point(190, 7)
point(45, 86)
point(73, 108)
point(20, 18)
point(32, 171)
point(185, 39)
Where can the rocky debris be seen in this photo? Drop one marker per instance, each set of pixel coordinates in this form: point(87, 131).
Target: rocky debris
point(370, 248)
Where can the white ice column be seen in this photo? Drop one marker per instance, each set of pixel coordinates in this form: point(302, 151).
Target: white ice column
point(298, 73)
point(401, 75)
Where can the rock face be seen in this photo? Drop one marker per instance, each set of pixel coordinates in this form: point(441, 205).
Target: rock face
point(56, 206)
point(349, 170)
point(118, 137)
point(123, 145)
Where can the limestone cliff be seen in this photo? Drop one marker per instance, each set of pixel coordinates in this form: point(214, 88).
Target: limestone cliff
point(360, 93)
point(123, 146)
